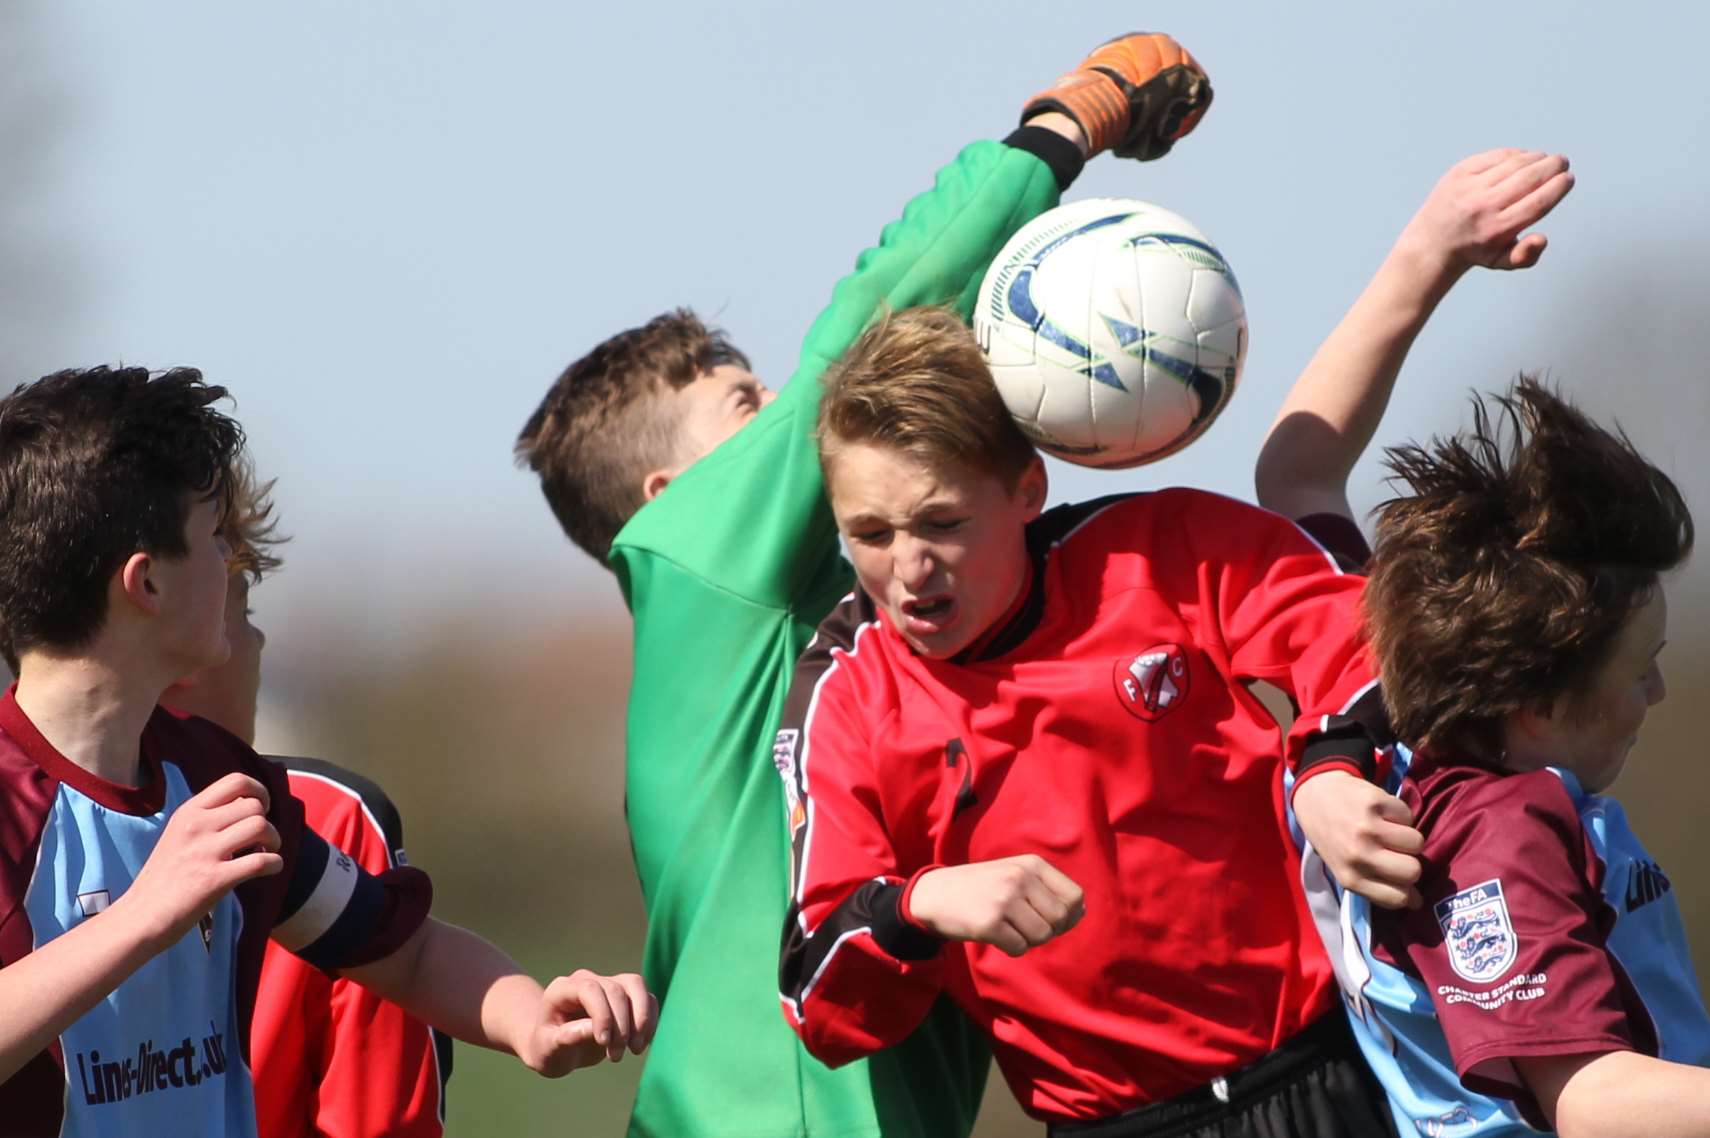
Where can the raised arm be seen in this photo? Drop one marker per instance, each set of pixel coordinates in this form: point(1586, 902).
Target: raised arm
point(1135, 95)
point(1477, 215)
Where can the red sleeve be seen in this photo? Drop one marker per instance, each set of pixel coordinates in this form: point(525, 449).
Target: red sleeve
point(379, 1066)
point(1283, 610)
point(1510, 940)
point(854, 976)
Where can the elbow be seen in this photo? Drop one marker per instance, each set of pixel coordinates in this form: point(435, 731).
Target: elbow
point(833, 1047)
point(1300, 461)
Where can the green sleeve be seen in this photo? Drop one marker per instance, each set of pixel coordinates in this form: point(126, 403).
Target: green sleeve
point(751, 517)
point(727, 573)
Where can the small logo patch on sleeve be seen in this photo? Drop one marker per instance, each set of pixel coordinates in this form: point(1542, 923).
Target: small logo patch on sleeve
point(1477, 933)
point(784, 758)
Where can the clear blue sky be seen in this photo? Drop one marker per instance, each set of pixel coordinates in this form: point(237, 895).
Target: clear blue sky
point(386, 226)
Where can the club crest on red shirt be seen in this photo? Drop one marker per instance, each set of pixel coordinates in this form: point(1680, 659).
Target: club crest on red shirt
point(1152, 683)
point(1477, 933)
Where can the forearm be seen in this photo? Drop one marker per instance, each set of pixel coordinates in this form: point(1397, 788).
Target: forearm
point(50, 989)
point(1330, 415)
point(460, 983)
point(1607, 1094)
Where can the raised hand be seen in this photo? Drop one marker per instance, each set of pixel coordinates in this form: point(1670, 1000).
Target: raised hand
point(1134, 95)
point(1015, 903)
point(217, 840)
point(1479, 212)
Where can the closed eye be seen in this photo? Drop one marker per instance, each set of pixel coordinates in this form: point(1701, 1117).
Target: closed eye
point(746, 395)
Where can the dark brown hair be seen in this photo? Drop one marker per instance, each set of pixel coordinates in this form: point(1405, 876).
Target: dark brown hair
point(916, 381)
point(96, 465)
point(1505, 576)
point(604, 424)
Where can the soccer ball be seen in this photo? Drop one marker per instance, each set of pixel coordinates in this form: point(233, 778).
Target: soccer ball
point(1114, 331)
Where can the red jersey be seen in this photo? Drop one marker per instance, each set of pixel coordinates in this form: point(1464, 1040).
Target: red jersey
point(1105, 725)
point(332, 1058)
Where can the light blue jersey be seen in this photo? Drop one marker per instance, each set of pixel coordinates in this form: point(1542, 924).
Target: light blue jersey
point(160, 1054)
point(163, 1053)
point(1397, 1024)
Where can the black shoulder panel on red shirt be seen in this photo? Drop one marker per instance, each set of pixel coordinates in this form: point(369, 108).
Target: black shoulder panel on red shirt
point(1340, 537)
point(373, 797)
point(1044, 534)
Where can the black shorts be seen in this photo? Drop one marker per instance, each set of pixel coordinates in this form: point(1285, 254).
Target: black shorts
point(1315, 1085)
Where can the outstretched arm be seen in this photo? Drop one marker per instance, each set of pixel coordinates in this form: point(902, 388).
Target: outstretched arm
point(1477, 215)
point(467, 987)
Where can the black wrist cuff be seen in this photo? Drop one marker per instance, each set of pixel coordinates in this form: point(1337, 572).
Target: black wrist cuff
point(1351, 746)
point(897, 936)
point(1057, 152)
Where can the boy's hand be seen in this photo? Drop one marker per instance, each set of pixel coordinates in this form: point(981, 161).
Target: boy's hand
point(585, 1017)
point(1477, 214)
point(1365, 836)
point(1015, 903)
point(217, 840)
point(1136, 94)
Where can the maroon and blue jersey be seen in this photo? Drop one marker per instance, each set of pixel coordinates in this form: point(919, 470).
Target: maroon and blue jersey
point(1547, 929)
point(166, 1052)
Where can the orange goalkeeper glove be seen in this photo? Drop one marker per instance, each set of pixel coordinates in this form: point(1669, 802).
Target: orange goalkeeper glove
point(1135, 95)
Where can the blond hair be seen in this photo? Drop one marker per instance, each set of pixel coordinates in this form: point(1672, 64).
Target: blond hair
point(916, 382)
point(249, 525)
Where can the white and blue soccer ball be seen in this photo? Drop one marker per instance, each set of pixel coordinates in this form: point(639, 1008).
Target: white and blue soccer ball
point(1114, 330)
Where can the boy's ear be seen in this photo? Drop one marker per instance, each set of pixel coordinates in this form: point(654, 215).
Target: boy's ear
point(1033, 487)
point(655, 481)
point(1529, 732)
point(654, 484)
point(135, 584)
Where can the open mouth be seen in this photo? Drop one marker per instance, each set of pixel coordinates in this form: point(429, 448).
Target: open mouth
point(929, 614)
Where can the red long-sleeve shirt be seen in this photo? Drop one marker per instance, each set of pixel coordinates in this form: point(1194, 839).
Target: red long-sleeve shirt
point(331, 1058)
point(1104, 725)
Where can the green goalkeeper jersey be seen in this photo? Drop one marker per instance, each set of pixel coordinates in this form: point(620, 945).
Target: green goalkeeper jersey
point(727, 574)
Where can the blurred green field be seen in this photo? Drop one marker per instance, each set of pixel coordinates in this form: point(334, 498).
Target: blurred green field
point(504, 752)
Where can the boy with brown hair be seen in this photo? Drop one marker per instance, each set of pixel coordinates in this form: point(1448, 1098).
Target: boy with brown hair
point(1030, 722)
point(1517, 612)
point(665, 458)
point(1516, 581)
point(145, 857)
